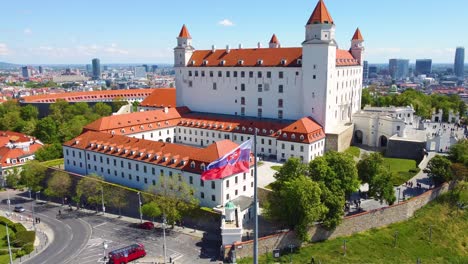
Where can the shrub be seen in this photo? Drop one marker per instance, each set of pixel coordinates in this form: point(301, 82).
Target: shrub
point(24, 237)
point(415, 170)
point(6, 221)
point(17, 227)
point(20, 253)
point(28, 248)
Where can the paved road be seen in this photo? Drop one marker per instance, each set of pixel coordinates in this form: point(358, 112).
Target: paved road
point(70, 235)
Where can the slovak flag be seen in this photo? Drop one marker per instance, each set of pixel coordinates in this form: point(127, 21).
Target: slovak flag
point(236, 161)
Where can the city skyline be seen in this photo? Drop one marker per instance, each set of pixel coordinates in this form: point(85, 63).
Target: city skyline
point(35, 33)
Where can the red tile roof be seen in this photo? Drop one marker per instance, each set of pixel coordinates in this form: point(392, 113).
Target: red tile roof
point(181, 116)
point(320, 15)
point(162, 97)
point(85, 96)
point(7, 136)
point(155, 152)
point(184, 32)
point(274, 39)
point(15, 154)
point(138, 121)
point(357, 35)
point(270, 57)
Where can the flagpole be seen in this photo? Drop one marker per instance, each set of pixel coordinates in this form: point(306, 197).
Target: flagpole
point(255, 253)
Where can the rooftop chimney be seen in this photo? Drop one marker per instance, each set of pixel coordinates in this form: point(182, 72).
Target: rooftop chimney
point(228, 49)
point(240, 45)
point(259, 45)
point(213, 48)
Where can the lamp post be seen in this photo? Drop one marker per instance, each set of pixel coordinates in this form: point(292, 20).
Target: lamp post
point(104, 245)
point(38, 193)
point(344, 247)
point(9, 202)
point(139, 208)
point(8, 240)
point(29, 193)
point(396, 237)
point(164, 237)
point(102, 201)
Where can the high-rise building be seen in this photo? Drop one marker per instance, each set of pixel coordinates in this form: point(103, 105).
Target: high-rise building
point(25, 72)
point(96, 69)
point(398, 68)
point(139, 72)
point(146, 67)
point(105, 68)
point(459, 66)
point(365, 70)
point(41, 70)
point(372, 70)
point(154, 68)
point(89, 68)
point(423, 66)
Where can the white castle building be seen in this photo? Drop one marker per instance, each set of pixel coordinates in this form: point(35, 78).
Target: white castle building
point(297, 99)
point(317, 80)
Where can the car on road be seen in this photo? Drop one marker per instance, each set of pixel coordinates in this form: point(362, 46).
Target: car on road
point(146, 225)
point(127, 254)
point(19, 209)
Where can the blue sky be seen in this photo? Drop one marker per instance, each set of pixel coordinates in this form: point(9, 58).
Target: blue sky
point(145, 31)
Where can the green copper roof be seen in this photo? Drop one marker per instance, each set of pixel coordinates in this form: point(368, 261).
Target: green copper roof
point(230, 205)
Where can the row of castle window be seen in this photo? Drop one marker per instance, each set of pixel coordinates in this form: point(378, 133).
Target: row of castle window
point(235, 73)
point(348, 72)
point(260, 102)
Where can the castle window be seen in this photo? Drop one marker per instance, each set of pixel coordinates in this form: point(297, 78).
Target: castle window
point(268, 74)
point(242, 111)
point(214, 86)
point(189, 73)
point(280, 88)
point(235, 74)
point(242, 74)
point(280, 103)
point(242, 100)
point(280, 75)
point(211, 73)
point(196, 73)
point(280, 114)
point(314, 76)
point(203, 73)
point(220, 74)
point(250, 74)
point(260, 88)
point(259, 101)
point(259, 74)
point(228, 74)
point(242, 87)
point(259, 113)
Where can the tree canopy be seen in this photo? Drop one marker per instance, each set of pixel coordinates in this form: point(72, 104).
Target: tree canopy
point(32, 175)
point(438, 169)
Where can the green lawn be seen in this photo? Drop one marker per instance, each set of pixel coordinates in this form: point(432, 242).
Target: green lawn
point(402, 169)
point(449, 241)
point(353, 151)
point(52, 163)
point(4, 244)
point(276, 168)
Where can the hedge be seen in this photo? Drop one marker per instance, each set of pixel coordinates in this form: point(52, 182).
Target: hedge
point(24, 237)
point(18, 227)
point(6, 221)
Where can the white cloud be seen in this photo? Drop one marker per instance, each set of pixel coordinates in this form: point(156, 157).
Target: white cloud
point(27, 31)
point(4, 49)
point(226, 22)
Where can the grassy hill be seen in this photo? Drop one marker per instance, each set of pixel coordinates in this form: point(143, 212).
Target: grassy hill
point(447, 244)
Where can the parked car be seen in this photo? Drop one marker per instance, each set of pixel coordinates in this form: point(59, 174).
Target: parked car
point(146, 225)
point(19, 209)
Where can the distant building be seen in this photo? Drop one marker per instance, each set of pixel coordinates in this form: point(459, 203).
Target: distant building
point(154, 68)
point(139, 72)
point(398, 68)
point(96, 69)
point(372, 70)
point(146, 67)
point(25, 72)
point(423, 66)
point(89, 68)
point(41, 70)
point(105, 68)
point(365, 70)
point(459, 66)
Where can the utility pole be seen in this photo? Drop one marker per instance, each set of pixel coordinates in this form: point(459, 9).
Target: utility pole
point(344, 247)
point(102, 200)
point(8, 240)
point(139, 206)
point(395, 241)
point(9, 202)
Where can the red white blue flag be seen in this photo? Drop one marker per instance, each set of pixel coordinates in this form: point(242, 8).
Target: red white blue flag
point(236, 161)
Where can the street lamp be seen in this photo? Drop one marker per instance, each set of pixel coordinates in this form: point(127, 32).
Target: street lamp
point(29, 193)
point(139, 206)
point(164, 237)
point(38, 192)
point(102, 200)
point(9, 202)
point(104, 245)
point(8, 240)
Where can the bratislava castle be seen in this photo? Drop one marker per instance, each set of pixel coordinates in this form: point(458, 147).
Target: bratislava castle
point(317, 80)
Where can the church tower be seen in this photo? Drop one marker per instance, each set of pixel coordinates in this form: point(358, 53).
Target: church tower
point(357, 48)
point(318, 66)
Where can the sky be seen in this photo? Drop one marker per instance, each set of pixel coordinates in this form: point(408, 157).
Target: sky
point(145, 31)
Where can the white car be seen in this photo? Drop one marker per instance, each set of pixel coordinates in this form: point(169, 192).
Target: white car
point(19, 209)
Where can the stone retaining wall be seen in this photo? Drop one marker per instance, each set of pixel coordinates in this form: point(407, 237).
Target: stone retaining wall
point(350, 225)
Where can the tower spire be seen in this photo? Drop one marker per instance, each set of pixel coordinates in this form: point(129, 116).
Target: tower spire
point(357, 35)
point(184, 33)
point(274, 42)
point(320, 15)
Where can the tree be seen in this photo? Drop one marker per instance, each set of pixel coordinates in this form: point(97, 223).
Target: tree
point(337, 170)
point(89, 189)
point(174, 197)
point(102, 109)
point(32, 175)
point(49, 152)
point(458, 153)
point(58, 185)
point(459, 172)
point(438, 169)
point(13, 177)
point(29, 112)
point(117, 103)
point(292, 169)
point(116, 196)
point(46, 130)
point(371, 170)
point(297, 203)
point(151, 210)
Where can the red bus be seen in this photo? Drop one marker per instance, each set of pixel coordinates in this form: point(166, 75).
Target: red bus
point(127, 254)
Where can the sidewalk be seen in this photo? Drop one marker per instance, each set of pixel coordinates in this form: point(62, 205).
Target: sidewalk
point(44, 235)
